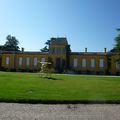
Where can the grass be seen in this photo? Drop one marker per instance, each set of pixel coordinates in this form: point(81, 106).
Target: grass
point(29, 87)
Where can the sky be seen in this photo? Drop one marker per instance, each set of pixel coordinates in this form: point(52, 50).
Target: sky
point(85, 23)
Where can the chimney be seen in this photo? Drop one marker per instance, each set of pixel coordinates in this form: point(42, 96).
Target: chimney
point(105, 50)
point(22, 49)
point(85, 49)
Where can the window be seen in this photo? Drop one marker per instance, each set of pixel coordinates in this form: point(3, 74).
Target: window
point(83, 63)
point(27, 61)
point(64, 51)
point(52, 50)
point(92, 63)
point(101, 63)
point(42, 59)
point(75, 63)
point(35, 61)
point(7, 61)
point(20, 61)
point(58, 51)
point(117, 65)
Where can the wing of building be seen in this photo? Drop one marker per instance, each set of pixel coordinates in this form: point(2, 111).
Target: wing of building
point(62, 59)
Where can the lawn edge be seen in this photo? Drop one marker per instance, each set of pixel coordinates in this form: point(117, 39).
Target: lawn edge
point(61, 101)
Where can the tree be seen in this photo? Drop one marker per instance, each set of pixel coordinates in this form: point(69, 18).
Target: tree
point(45, 49)
point(117, 46)
point(48, 42)
point(68, 51)
point(1, 47)
point(11, 44)
point(0, 60)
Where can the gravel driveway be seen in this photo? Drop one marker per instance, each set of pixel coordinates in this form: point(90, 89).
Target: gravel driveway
point(11, 111)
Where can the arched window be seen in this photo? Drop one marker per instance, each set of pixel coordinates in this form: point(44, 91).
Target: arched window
point(84, 63)
point(7, 61)
point(101, 63)
point(92, 63)
point(20, 61)
point(75, 63)
point(27, 61)
point(42, 59)
point(117, 65)
point(35, 61)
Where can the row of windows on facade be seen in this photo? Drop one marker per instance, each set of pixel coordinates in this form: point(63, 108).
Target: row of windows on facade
point(58, 51)
point(92, 63)
point(20, 61)
point(75, 62)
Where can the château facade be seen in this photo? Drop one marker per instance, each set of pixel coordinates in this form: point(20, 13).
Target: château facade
point(62, 59)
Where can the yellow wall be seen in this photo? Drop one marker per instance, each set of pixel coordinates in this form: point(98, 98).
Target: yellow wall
point(88, 57)
point(9, 66)
point(24, 56)
point(39, 56)
point(113, 65)
point(55, 55)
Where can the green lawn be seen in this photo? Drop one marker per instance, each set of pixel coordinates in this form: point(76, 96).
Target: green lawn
point(30, 87)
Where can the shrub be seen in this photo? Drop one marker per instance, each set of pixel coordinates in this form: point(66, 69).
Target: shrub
point(46, 70)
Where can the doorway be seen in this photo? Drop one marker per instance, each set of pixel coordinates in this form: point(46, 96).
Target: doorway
point(58, 65)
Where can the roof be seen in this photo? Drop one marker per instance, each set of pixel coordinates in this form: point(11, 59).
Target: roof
point(59, 41)
point(44, 53)
point(92, 53)
point(26, 52)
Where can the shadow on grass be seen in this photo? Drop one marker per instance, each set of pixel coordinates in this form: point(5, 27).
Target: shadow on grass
point(52, 78)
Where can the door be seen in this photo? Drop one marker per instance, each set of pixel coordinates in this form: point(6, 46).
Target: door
point(58, 64)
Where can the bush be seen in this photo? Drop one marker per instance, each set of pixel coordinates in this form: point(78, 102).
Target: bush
point(46, 70)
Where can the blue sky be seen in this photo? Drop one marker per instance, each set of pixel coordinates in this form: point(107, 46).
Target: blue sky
point(85, 23)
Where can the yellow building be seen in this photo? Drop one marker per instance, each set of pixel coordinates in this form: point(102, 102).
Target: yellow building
point(62, 59)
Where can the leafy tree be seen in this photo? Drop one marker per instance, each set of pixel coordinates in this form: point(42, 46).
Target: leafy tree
point(45, 49)
point(113, 50)
point(1, 47)
point(48, 42)
point(0, 60)
point(68, 51)
point(117, 46)
point(11, 44)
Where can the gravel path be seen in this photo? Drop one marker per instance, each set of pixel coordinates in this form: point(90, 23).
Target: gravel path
point(11, 111)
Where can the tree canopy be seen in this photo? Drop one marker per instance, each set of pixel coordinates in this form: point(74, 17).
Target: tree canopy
point(11, 44)
point(45, 49)
point(117, 46)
